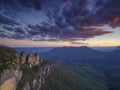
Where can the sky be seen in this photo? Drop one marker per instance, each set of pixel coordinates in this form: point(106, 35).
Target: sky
point(55, 23)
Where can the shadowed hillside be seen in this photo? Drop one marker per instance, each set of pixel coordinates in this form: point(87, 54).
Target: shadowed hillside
point(67, 79)
point(83, 55)
point(106, 62)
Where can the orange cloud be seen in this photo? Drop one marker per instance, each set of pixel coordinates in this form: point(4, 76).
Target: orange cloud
point(114, 20)
point(117, 19)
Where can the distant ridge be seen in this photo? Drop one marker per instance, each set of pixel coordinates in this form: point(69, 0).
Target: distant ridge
point(72, 49)
point(117, 48)
point(82, 54)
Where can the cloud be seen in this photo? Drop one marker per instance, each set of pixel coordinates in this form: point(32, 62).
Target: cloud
point(79, 43)
point(6, 21)
point(8, 28)
point(65, 34)
point(69, 20)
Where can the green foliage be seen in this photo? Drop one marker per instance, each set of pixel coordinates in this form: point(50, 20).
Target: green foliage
point(29, 74)
point(106, 63)
point(44, 62)
point(7, 58)
point(87, 71)
point(66, 79)
point(113, 75)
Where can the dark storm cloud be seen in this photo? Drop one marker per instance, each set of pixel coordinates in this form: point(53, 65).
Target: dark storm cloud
point(101, 12)
point(44, 30)
point(66, 34)
point(85, 33)
point(36, 4)
point(73, 19)
point(8, 28)
point(19, 30)
point(109, 12)
point(7, 21)
point(17, 36)
point(3, 35)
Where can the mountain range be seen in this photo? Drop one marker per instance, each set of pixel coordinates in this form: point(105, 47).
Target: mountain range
point(84, 55)
point(73, 58)
point(74, 68)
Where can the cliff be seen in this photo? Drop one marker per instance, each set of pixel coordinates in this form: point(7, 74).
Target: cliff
point(22, 72)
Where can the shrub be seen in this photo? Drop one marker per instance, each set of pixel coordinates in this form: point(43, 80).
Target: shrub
point(7, 58)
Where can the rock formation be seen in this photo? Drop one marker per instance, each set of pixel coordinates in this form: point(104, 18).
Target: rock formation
point(31, 60)
point(37, 59)
point(43, 72)
point(17, 77)
point(22, 58)
point(10, 79)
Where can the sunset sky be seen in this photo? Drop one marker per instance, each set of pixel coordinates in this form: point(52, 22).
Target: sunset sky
point(52, 23)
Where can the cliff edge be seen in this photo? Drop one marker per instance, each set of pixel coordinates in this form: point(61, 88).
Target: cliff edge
point(22, 72)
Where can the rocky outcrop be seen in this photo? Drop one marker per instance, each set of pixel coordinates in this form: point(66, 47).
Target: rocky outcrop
point(27, 86)
point(26, 73)
point(9, 84)
point(31, 59)
point(10, 79)
point(37, 59)
point(22, 58)
point(10, 72)
point(41, 76)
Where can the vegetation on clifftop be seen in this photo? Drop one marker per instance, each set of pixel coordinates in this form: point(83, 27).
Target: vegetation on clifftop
point(29, 74)
point(7, 58)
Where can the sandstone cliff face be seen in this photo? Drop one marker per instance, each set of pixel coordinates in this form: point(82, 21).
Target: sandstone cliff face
point(25, 73)
point(10, 72)
point(44, 70)
point(9, 84)
point(10, 79)
point(41, 76)
point(22, 58)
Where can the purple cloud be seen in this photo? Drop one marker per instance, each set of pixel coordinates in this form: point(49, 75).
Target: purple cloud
point(68, 20)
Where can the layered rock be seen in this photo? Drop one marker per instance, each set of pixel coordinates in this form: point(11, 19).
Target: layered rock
point(12, 77)
point(37, 59)
point(41, 76)
point(30, 60)
point(10, 72)
point(22, 58)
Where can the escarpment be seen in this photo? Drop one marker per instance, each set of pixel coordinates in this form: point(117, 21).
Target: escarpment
point(22, 72)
